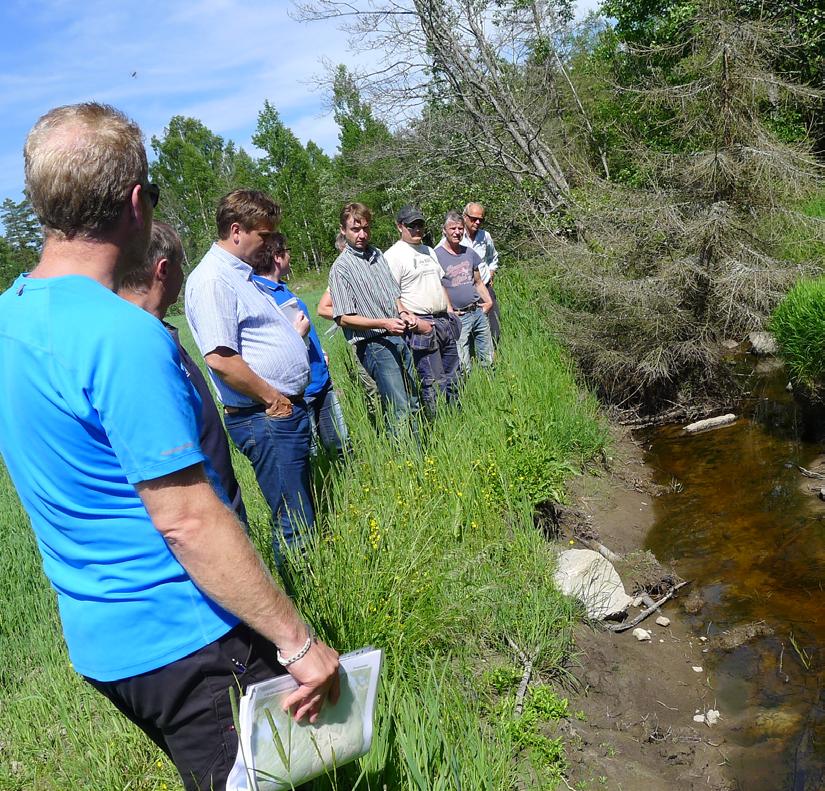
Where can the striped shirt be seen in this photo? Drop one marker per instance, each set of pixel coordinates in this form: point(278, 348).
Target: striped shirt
point(361, 284)
point(225, 308)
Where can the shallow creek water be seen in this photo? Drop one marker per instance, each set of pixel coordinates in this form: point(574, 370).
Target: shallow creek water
point(741, 521)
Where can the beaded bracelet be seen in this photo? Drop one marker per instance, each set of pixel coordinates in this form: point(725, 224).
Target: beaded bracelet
point(302, 651)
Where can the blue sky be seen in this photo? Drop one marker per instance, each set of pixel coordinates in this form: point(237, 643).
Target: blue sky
point(215, 60)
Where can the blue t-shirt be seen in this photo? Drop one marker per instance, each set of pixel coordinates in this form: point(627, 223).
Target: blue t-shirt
point(93, 401)
point(318, 369)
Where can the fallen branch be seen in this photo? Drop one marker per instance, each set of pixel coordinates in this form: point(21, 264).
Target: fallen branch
point(811, 473)
point(622, 627)
point(709, 423)
point(525, 678)
point(596, 546)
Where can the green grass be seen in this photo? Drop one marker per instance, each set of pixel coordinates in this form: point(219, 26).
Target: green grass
point(799, 326)
point(431, 555)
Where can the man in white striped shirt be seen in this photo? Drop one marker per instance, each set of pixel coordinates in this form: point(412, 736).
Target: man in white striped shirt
point(257, 360)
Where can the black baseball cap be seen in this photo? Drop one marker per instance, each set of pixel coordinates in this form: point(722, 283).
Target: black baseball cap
point(408, 215)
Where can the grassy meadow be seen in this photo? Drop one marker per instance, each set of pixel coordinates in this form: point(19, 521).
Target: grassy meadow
point(430, 554)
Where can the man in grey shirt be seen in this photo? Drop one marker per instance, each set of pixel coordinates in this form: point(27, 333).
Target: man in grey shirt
point(257, 359)
point(366, 303)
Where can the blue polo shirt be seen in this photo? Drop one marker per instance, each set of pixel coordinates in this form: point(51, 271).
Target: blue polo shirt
point(318, 370)
point(92, 402)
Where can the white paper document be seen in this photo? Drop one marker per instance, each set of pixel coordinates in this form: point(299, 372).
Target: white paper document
point(296, 752)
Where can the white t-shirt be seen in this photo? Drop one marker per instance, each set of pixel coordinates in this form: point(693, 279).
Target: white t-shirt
point(418, 274)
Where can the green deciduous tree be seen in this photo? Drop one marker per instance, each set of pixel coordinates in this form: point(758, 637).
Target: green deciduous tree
point(194, 168)
point(23, 239)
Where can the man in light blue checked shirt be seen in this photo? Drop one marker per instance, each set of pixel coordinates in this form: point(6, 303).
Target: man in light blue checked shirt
point(257, 359)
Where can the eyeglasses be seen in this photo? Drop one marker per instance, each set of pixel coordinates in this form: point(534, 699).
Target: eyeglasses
point(153, 192)
point(474, 219)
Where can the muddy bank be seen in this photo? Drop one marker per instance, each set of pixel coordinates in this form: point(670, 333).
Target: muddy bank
point(639, 699)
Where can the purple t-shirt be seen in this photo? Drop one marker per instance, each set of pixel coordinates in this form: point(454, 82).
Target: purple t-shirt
point(459, 274)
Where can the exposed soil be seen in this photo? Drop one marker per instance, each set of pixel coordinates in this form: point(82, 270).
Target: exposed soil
point(637, 700)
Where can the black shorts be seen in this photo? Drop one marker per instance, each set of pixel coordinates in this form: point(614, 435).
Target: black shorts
point(184, 706)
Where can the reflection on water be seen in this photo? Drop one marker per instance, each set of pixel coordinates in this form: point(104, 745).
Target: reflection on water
point(743, 524)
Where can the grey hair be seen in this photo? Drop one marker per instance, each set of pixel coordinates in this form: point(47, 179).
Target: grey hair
point(453, 216)
point(164, 243)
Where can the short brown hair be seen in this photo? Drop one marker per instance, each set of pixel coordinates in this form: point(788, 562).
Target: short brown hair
point(248, 208)
point(81, 163)
point(358, 211)
point(164, 243)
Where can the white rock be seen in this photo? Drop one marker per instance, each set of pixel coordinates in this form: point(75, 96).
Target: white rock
point(641, 634)
point(703, 639)
point(762, 343)
point(662, 621)
point(712, 716)
point(697, 669)
point(586, 575)
point(698, 717)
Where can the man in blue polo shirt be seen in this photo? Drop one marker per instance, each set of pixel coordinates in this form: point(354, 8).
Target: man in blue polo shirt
point(99, 433)
point(321, 399)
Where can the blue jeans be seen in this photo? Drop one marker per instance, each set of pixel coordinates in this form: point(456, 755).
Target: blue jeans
point(388, 360)
point(278, 449)
point(436, 360)
point(327, 421)
point(475, 336)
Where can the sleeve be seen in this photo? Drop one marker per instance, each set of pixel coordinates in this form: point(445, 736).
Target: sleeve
point(212, 312)
point(342, 302)
point(492, 253)
point(475, 259)
point(145, 403)
point(396, 265)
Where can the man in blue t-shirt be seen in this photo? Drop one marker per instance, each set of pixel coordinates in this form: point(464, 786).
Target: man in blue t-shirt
point(321, 399)
point(98, 431)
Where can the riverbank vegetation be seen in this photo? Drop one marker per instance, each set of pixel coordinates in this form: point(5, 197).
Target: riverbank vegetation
point(431, 555)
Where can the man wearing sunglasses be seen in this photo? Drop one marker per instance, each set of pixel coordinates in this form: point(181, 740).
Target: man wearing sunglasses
point(432, 339)
point(478, 239)
point(99, 433)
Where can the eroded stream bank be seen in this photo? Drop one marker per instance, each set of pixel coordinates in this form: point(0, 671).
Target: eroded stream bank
point(736, 516)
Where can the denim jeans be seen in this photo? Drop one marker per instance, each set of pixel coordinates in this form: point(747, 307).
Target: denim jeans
point(494, 316)
point(389, 362)
point(436, 360)
point(475, 337)
point(278, 448)
point(327, 422)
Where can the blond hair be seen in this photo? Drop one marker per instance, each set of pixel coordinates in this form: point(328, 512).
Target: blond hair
point(81, 163)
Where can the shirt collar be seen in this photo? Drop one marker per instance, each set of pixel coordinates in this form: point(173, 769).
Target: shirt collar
point(227, 258)
point(367, 255)
point(265, 282)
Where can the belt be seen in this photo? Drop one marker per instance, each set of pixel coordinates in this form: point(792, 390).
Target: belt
point(469, 308)
point(428, 316)
point(255, 408)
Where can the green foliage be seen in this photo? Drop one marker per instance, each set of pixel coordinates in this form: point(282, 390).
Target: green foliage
point(799, 326)
point(193, 168)
point(20, 247)
point(294, 176)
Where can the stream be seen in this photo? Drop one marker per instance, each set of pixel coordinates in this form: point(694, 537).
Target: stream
point(740, 520)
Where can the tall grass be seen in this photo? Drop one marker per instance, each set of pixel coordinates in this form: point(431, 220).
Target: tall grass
point(799, 326)
point(429, 553)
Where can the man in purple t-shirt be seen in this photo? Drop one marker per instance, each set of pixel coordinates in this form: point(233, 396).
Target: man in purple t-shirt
point(468, 294)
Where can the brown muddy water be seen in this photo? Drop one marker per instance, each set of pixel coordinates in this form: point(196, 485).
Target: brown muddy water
point(741, 521)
